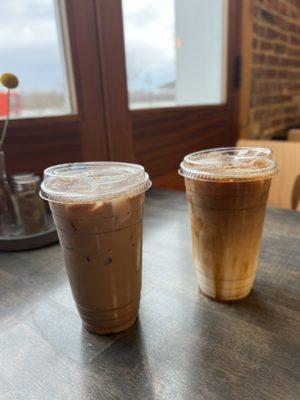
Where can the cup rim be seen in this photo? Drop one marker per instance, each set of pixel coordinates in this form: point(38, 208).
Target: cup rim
point(93, 181)
point(237, 165)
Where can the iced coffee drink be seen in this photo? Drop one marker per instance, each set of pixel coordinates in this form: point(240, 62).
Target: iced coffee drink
point(227, 190)
point(98, 211)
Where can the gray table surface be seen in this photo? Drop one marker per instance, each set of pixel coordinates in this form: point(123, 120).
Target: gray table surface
point(183, 345)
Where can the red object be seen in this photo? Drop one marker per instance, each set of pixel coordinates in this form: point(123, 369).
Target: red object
point(15, 105)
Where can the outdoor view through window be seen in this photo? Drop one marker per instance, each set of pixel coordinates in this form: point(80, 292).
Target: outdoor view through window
point(31, 47)
point(175, 52)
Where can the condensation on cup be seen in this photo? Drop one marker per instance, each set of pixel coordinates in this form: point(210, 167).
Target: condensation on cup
point(98, 211)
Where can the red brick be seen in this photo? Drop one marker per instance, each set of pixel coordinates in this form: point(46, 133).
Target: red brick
point(296, 3)
point(279, 48)
point(261, 114)
point(284, 37)
point(296, 63)
point(259, 30)
point(292, 51)
point(265, 45)
point(269, 100)
point(294, 75)
point(294, 40)
point(283, 9)
point(258, 58)
point(291, 110)
point(273, 60)
point(271, 34)
point(286, 62)
point(255, 11)
point(268, 16)
point(254, 43)
point(275, 71)
point(273, 4)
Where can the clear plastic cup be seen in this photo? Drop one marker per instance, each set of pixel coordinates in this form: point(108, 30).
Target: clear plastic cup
point(227, 189)
point(97, 208)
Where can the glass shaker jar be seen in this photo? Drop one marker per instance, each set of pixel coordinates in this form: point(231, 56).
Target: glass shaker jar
point(31, 206)
point(8, 210)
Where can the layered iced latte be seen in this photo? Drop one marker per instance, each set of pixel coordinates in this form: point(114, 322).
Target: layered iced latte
point(227, 191)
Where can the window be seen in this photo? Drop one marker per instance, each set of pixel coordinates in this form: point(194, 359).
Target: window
point(175, 52)
point(33, 46)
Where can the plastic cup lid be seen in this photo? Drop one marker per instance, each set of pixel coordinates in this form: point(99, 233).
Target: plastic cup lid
point(229, 163)
point(93, 181)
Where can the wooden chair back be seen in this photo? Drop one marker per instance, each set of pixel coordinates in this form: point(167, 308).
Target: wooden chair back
point(285, 187)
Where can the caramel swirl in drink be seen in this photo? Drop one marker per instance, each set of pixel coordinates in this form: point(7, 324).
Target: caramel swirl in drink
point(98, 212)
point(227, 189)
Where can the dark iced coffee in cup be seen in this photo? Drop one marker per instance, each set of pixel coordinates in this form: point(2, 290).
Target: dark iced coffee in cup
point(227, 189)
point(98, 211)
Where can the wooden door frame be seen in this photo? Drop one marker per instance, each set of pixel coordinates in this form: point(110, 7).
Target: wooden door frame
point(235, 63)
point(246, 47)
point(112, 62)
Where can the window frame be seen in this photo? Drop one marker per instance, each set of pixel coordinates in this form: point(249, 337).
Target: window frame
point(185, 129)
point(104, 127)
point(32, 144)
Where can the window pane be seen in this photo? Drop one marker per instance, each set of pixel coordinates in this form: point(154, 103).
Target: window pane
point(175, 52)
point(31, 47)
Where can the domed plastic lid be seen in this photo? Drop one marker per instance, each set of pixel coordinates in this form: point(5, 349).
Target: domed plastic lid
point(229, 163)
point(92, 181)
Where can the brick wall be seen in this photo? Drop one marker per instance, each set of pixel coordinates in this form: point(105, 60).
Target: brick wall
point(275, 68)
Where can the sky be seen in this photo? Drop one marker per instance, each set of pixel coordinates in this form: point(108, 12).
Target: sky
point(29, 44)
point(149, 27)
